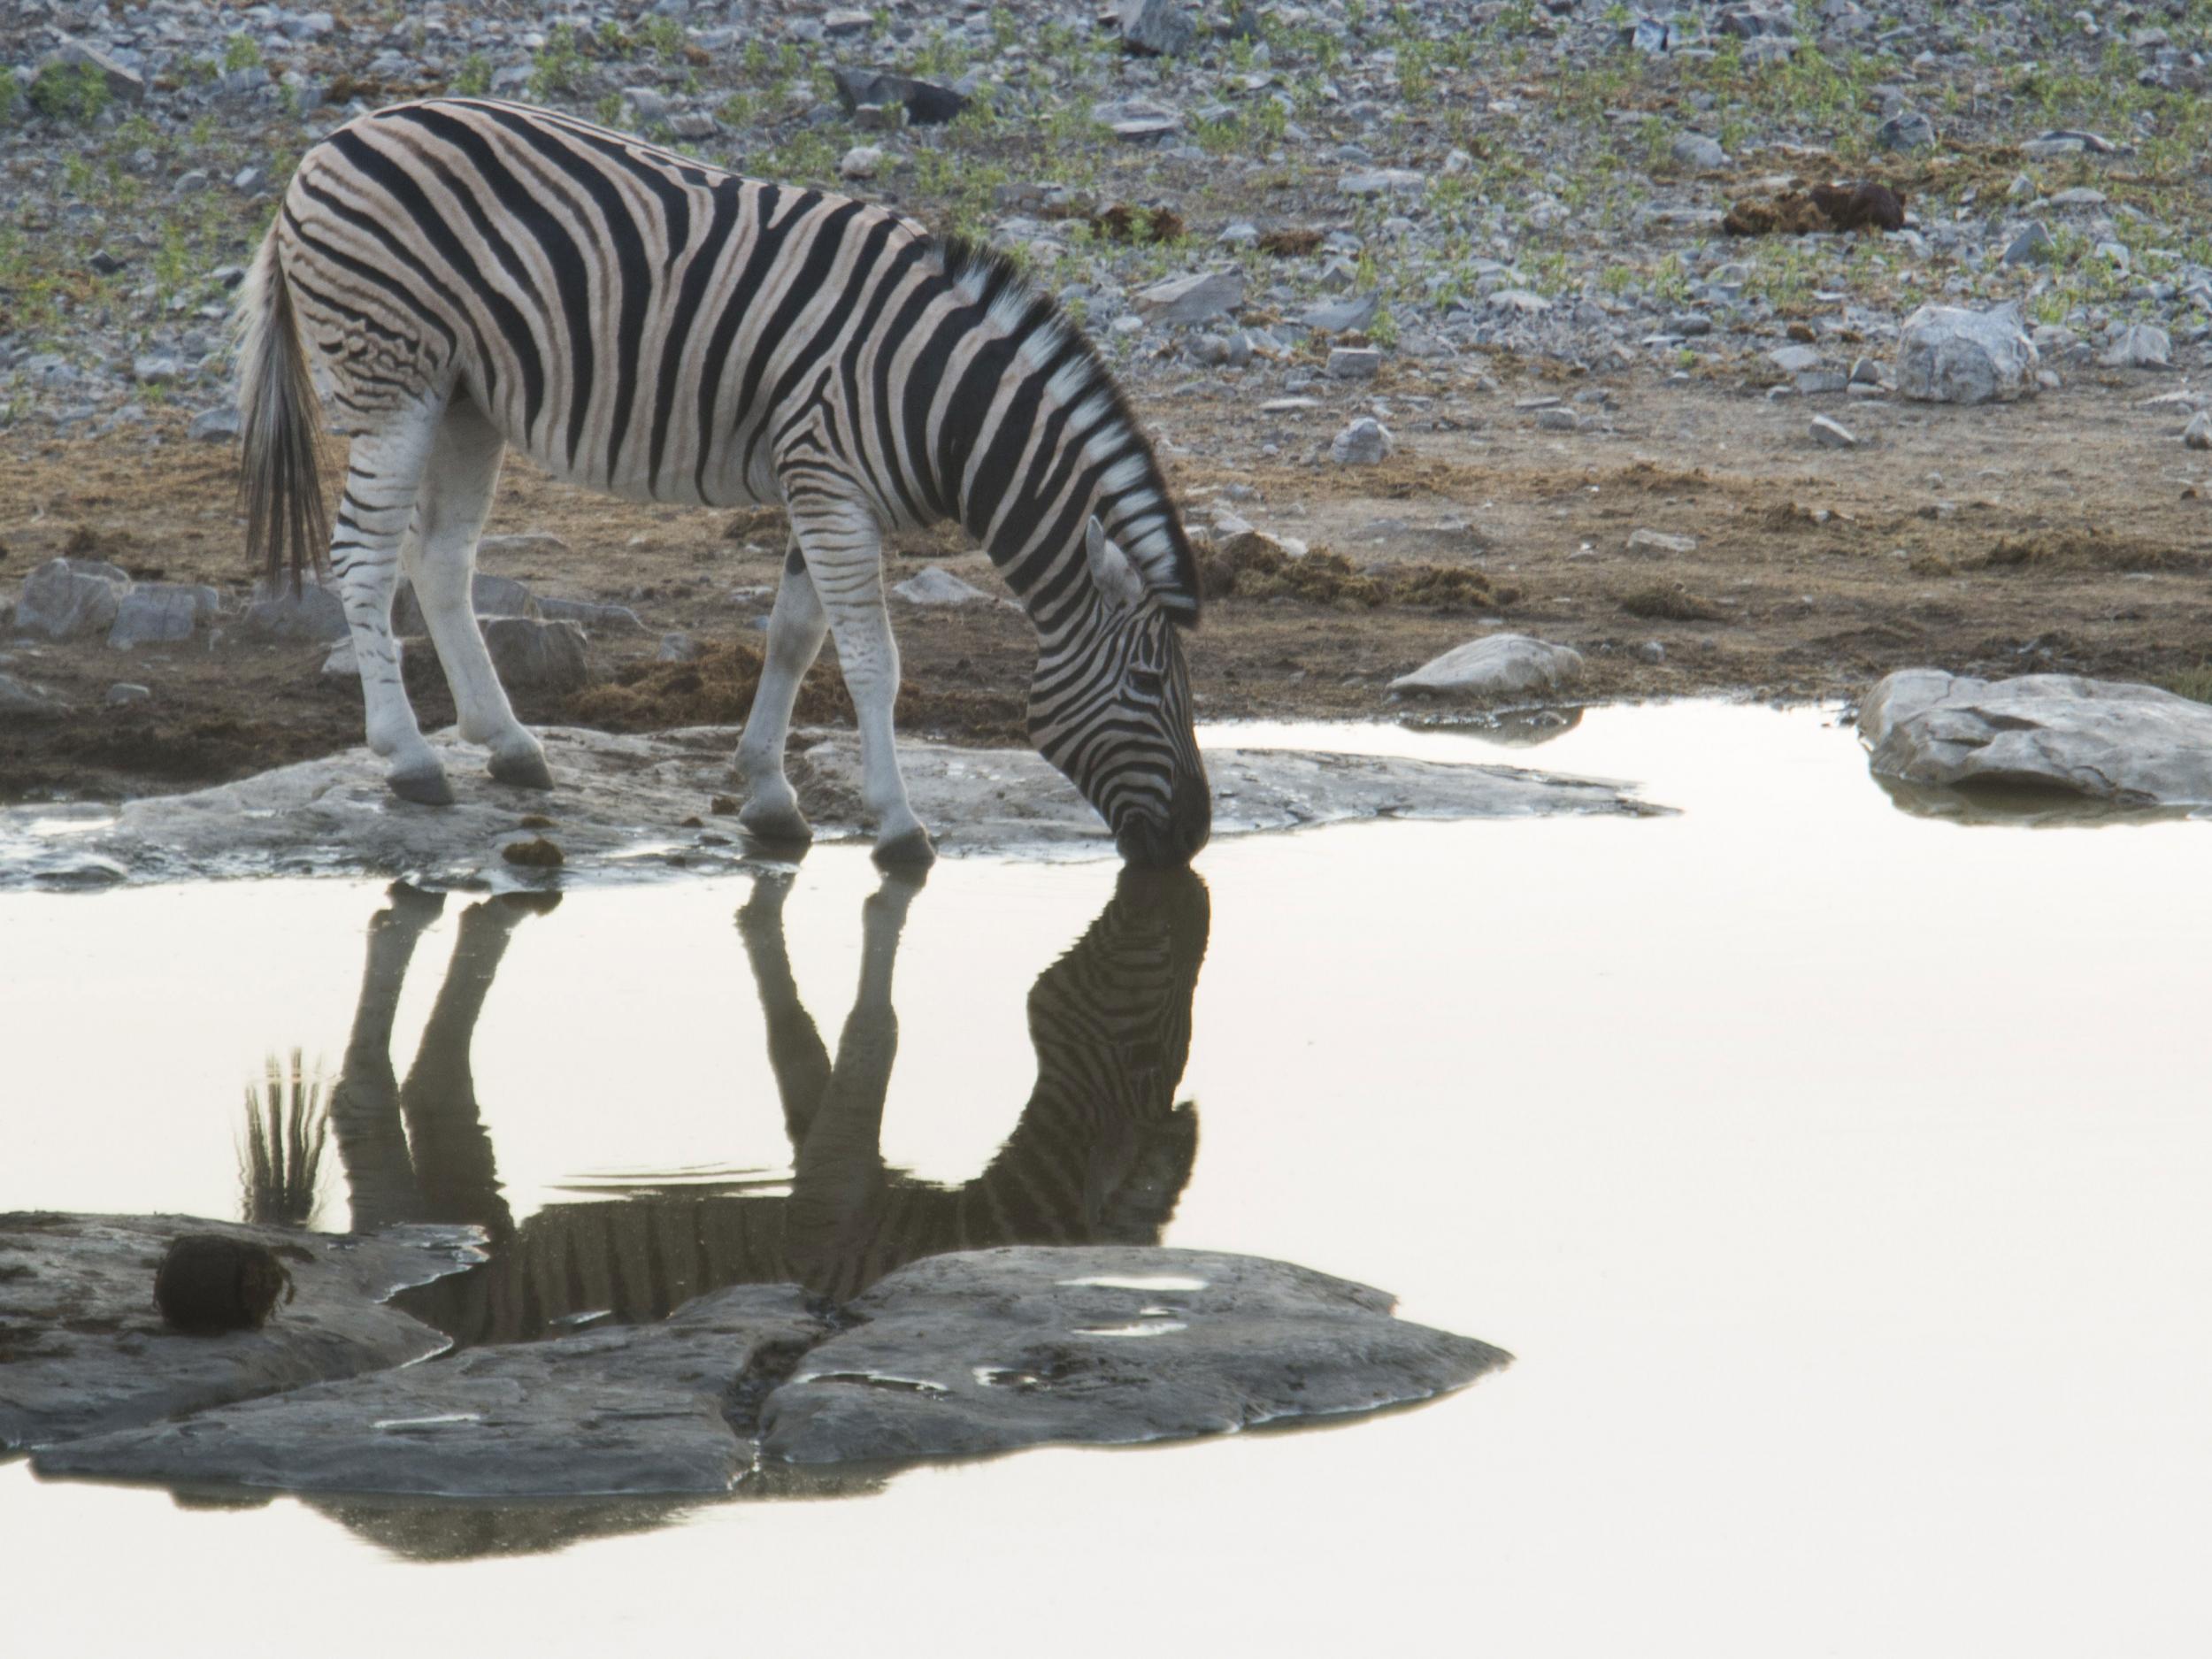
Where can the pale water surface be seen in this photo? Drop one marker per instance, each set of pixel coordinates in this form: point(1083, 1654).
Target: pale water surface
point(1837, 1175)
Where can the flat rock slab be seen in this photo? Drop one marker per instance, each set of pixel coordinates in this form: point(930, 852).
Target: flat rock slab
point(84, 1351)
point(642, 1409)
point(2106, 741)
point(985, 1351)
point(620, 805)
point(991, 1350)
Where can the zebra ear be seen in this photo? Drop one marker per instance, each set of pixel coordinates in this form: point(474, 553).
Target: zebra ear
point(1111, 572)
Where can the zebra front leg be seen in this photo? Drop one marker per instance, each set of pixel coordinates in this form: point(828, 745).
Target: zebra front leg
point(796, 630)
point(844, 555)
point(454, 499)
point(383, 473)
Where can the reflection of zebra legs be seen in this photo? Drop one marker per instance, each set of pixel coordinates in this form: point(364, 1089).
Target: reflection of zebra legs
point(365, 1106)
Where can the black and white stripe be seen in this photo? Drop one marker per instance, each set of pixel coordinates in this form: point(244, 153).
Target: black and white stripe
point(467, 275)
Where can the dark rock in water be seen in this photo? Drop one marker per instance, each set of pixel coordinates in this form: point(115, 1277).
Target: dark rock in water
point(926, 106)
point(208, 1283)
point(990, 1350)
point(84, 1350)
point(631, 1409)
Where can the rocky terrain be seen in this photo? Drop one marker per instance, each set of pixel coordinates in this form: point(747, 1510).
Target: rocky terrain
point(1446, 316)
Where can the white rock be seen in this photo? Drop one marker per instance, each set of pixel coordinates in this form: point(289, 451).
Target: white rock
point(1831, 434)
point(1192, 299)
point(1947, 354)
point(860, 162)
point(1497, 663)
point(937, 586)
point(1657, 543)
point(2129, 744)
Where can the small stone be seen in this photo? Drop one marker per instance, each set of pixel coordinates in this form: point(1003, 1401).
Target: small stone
point(534, 655)
point(1381, 181)
point(847, 22)
point(1344, 316)
point(1362, 443)
point(860, 162)
point(1157, 28)
point(124, 691)
point(1498, 663)
point(341, 663)
point(2033, 246)
point(1191, 299)
point(1558, 421)
point(214, 425)
point(2197, 434)
point(1651, 651)
point(1658, 544)
point(1794, 360)
point(1694, 150)
point(1354, 363)
point(1909, 131)
point(2140, 346)
point(937, 586)
point(1831, 435)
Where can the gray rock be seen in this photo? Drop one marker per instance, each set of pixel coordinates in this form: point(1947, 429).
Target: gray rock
point(990, 1351)
point(1794, 360)
point(1558, 421)
point(937, 586)
point(1694, 150)
point(2127, 744)
point(214, 425)
point(1908, 132)
point(1157, 28)
point(492, 596)
point(125, 86)
point(540, 656)
point(88, 1353)
point(678, 648)
point(2033, 246)
point(341, 663)
point(1658, 544)
point(1949, 355)
point(158, 613)
point(1191, 299)
point(592, 618)
point(633, 1409)
point(860, 162)
point(623, 798)
point(925, 104)
point(2197, 434)
point(1362, 443)
point(1651, 651)
point(1354, 363)
point(20, 702)
point(1344, 316)
point(1381, 181)
point(1833, 435)
point(61, 601)
point(314, 613)
point(2140, 346)
point(1497, 663)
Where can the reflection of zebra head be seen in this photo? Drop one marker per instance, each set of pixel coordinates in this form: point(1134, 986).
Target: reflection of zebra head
point(1110, 707)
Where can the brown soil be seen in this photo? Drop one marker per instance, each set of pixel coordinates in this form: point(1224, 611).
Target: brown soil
point(2071, 533)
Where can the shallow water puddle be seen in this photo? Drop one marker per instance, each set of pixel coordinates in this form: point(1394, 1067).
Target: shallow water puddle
point(1836, 1174)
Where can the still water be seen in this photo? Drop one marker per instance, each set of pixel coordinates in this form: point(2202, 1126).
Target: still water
point(1835, 1171)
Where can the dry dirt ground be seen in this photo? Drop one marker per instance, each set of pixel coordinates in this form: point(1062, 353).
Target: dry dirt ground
point(2069, 533)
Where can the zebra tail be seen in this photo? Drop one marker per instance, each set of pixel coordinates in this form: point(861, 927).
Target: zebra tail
point(280, 418)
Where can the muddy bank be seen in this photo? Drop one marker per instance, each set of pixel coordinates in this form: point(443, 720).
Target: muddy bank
point(634, 806)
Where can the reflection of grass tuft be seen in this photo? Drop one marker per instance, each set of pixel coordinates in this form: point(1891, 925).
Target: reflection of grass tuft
point(288, 1124)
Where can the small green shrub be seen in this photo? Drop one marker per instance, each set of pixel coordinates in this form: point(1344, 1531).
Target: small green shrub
point(70, 92)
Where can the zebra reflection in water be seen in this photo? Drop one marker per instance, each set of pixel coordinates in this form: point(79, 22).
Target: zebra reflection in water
point(1101, 1153)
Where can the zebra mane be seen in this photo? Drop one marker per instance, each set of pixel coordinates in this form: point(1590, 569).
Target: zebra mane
point(1145, 526)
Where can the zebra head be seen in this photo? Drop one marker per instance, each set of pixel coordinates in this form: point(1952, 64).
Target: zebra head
point(1110, 707)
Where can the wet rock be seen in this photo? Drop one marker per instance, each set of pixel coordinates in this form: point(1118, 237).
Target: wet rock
point(86, 1350)
point(1157, 28)
point(926, 106)
point(632, 1410)
point(1364, 444)
point(2127, 744)
point(620, 793)
point(1496, 664)
point(491, 595)
point(1947, 354)
point(937, 586)
point(155, 613)
point(314, 613)
point(534, 656)
point(61, 602)
point(991, 1350)
point(1191, 299)
point(2140, 346)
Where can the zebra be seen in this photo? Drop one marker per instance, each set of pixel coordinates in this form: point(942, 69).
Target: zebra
point(465, 275)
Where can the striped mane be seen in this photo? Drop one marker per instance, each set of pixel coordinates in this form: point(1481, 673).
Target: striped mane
point(1144, 523)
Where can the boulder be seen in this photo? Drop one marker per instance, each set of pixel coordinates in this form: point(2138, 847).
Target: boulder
point(61, 600)
point(160, 613)
point(2140, 346)
point(1191, 299)
point(1949, 355)
point(991, 1350)
point(937, 586)
point(87, 1352)
point(534, 656)
point(631, 1409)
point(1495, 664)
point(492, 596)
point(313, 613)
point(2126, 744)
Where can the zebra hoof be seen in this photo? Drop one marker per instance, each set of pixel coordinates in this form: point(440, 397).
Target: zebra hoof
point(526, 769)
point(910, 851)
point(427, 787)
point(776, 825)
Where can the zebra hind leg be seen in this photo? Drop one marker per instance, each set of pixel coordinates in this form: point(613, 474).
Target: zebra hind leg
point(796, 628)
point(375, 517)
point(455, 500)
point(843, 548)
